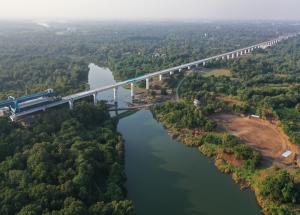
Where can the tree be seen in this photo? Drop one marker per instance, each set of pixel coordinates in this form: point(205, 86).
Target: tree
point(279, 186)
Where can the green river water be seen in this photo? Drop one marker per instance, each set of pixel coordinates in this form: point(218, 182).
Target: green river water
point(165, 177)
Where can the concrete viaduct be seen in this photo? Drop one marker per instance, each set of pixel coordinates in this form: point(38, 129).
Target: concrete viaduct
point(225, 56)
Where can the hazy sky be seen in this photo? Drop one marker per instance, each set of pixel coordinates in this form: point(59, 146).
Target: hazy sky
point(151, 9)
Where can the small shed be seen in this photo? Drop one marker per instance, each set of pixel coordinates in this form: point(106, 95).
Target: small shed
point(196, 103)
point(286, 153)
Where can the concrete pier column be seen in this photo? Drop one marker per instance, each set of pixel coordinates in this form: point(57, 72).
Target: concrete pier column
point(172, 72)
point(237, 54)
point(241, 52)
point(223, 57)
point(147, 84)
point(132, 89)
point(232, 56)
point(245, 51)
point(189, 67)
point(160, 77)
point(116, 94)
point(71, 104)
point(204, 63)
point(95, 95)
point(228, 57)
point(179, 70)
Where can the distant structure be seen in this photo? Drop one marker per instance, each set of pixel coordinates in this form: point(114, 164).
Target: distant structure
point(254, 116)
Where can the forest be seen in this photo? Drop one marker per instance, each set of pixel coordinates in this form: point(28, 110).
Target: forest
point(66, 162)
point(72, 162)
point(34, 58)
point(266, 84)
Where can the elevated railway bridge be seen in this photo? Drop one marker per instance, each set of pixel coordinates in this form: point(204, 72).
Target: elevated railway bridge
point(70, 99)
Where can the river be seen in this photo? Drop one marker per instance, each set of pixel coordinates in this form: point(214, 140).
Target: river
point(166, 177)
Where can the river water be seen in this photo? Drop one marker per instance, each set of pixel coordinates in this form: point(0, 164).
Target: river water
point(166, 177)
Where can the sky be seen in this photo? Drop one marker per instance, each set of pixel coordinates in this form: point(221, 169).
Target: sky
point(151, 9)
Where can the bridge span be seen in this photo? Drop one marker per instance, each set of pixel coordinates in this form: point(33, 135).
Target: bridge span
point(225, 56)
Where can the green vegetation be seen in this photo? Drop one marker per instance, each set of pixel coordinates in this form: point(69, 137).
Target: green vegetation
point(262, 84)
point(67, 162)
point(71, 162)
point(183, 116)
point(217, 73)
point(35, 74)
point(276, 192)
point(266, 84)
point(290, 119)
point(279, 186)
point(57, 57)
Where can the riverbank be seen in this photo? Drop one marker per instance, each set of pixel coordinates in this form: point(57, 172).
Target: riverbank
point(160, 183)
point(166, 177)
point(232, 157)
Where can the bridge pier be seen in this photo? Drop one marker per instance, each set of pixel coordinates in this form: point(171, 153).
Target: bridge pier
point(147, 84)
point(204, 63)
point(116, 94)
point(228, 57)
point(179, 70)
point(232, 56)
point(132, 90)
point(95, 95)
point(189, 67)
point(71, 104)
point(160, 77)
point(237, 54)
point(223, 57)
point(172, 73)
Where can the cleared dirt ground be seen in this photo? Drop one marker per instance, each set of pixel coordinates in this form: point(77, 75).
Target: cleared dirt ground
point(261, 135)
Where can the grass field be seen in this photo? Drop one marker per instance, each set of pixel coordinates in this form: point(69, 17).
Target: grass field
point(217, 73)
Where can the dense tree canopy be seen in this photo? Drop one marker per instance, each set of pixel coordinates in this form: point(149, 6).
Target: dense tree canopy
point(279, 186)
point(68, 164)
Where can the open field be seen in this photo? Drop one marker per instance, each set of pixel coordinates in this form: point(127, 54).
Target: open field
point(229, 100)
point(261, 135)
point(217, 73)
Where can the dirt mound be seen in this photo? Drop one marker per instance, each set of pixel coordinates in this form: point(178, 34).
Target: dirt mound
point(261, 135)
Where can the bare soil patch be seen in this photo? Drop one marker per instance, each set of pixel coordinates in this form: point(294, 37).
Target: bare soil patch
point(267, 138)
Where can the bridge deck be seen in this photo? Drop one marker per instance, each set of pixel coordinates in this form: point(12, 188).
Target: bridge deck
point(84, 94)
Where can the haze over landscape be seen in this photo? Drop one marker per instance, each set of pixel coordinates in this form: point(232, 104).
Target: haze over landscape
point(155, 9)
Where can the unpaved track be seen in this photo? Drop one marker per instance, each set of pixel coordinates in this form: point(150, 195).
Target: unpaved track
point(261, 135)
